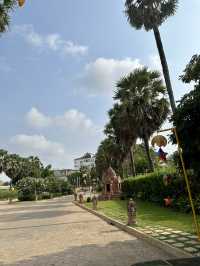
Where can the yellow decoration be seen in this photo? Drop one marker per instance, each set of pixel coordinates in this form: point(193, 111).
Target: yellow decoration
point(21, 2)
point(159, 140)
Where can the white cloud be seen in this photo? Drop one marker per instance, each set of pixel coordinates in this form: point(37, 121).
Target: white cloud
point(49, 152)
point(72, 120)
point(37, 119)
point(38, 144)
point(155, 62)
point(53, 41)
point(100, 76)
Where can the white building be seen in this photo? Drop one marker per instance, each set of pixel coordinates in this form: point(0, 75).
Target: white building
point(87, 160)
point(63, 174)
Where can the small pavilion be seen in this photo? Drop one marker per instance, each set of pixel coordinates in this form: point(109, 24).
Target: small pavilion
point(111, 183)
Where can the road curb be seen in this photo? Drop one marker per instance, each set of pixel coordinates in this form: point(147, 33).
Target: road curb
point(177, 253)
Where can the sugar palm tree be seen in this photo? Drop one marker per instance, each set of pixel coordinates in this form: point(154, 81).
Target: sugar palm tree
point(5, 8)
point(143, 93)
point(150, 14)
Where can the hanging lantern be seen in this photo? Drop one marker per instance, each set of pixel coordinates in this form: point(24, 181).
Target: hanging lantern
point(159, 140)
point(21, 2)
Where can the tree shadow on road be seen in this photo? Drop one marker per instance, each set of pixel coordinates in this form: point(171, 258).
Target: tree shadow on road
point(34, 207)
point(46, 225)
point(48, 214)
point(118, 253)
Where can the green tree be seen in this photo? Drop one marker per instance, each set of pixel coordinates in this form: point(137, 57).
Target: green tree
point(121, 128)
point(3, 154)
point(17, 167)
point(187, 116)
point(143, 94)
point(74, 177)
point(150, 14)
point(46, 171)
point(5, 9)
point(29, 188)
point(108, 154)
point(141, 162)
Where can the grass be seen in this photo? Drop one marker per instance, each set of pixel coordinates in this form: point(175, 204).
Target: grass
point(148, 214)
point(5, 194)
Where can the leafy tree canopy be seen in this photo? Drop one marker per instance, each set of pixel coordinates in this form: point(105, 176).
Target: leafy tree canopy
point(5, 8)
point(108, 154)
point(17, 167)
point(187, 116)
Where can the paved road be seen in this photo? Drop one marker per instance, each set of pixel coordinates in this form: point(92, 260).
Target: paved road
point(56, 232)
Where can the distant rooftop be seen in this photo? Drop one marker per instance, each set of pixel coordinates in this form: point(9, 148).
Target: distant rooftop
point(87, 155)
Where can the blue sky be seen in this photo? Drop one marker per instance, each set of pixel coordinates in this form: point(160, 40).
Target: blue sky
point(58, 66)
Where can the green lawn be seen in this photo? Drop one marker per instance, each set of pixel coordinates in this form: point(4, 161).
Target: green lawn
point(6, 193)
point(147, 214)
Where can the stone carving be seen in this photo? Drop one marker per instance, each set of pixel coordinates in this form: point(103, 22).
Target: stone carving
point(81, 198)
point(131, 208)
point(94, 202)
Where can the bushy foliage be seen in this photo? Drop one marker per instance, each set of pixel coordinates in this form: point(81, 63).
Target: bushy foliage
point(6, 7)
point(57, 186)
point(109, 153)
point(17, 167)
point(29, 188)
point(88, 199)
point(141, 161)
point(187, 117)
point(151, 188)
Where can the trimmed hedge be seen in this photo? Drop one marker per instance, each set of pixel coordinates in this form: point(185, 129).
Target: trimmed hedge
point(151, 188)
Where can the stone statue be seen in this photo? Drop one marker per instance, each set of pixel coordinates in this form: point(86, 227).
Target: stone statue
point(94, 202)
point(81, 198)
point(131, 208)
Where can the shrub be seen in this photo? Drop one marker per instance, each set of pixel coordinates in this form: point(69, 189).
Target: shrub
point(26, 189)
point(99, 188)
point(29, 187)
point(88, 199)
point(151, 188)
point(122, 197)
point(44, 195)
point(57, 186)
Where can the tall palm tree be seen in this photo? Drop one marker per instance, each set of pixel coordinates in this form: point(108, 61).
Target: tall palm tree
point(143, 94)
point(5, 8)
point(150, 14)
point(121, 128)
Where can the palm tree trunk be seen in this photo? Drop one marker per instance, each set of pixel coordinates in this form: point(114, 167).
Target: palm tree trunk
point(132, 161)
point(165, 68)
point(146, 144)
